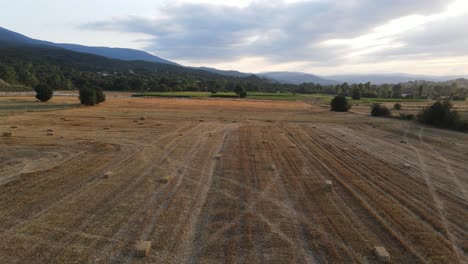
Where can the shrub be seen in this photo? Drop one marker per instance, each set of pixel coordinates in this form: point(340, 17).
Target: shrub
point(100, 96)
point(243, 94)
point(340, 104)
point(404, 116)
point(380, 110)
point(3, 83)
point(397, 106)
point(16, 88)
point(91, 95)
point(87, 96)
point(441, 115)
point(43, 92)
point(238, 89)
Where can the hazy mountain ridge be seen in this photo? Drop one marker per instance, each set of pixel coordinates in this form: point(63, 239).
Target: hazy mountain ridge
point(11, 38)
point(112, 53)
point(297, 78)
point(390, 78)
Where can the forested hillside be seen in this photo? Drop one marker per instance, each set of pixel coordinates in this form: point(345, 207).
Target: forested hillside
point(29, 65)
point(60, 68)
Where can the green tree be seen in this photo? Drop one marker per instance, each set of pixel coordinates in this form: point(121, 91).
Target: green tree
point(8, 74)
point(238, 89)
point(43, 92)
point(356, 93)
point(100, 96)
point(26, 75)
point(340, 104)
point(396, 91)
point(136, 84)
point(87, 96)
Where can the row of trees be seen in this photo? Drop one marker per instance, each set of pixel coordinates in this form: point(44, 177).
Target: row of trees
point(62, 70)
point(88, 95)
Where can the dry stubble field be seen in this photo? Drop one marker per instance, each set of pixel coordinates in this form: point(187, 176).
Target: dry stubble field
point(395, 184)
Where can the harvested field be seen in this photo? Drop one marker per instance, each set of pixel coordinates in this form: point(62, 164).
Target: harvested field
point(246, 185)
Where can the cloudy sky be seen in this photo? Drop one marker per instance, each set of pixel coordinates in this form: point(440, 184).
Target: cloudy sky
point(317, 36)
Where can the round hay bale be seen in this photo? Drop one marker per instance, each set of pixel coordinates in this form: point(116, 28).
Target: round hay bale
point(164, 180)
point(107, 175)
point(143, 118)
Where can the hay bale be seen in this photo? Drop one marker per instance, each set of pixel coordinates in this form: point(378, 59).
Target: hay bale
point(407, 166)
point(142, 248)
point(50, 134)
point(143, 118)
point(201, 120)
point(272, 167)
point(345, 149)
point(107, 128)
point(135, 121)
point(252, 155)
point(181, 134)
point(107, 175)
point(164, 180)
point(7, 134)
point(328, 187)
point(264, 141)
point(404, 142)
point(218, 157)
point(49, 130)
point(382, 254)
point(13, 127)
point(292, 146)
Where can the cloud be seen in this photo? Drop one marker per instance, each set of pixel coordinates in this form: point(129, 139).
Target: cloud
point(288, 32)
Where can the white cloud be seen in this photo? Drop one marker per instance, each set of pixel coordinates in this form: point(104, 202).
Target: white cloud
point(316, 36)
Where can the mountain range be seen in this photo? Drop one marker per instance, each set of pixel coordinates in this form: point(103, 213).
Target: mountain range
point(7, 36)
point(112, 53)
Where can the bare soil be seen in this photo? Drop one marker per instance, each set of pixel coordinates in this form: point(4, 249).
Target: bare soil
point(228, 181)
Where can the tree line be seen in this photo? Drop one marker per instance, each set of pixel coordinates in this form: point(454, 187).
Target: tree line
point(64, 70)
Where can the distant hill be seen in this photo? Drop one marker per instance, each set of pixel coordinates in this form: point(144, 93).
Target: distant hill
point(297, 78)
point(389, 78)
point(226, 73)
point(112, 53)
